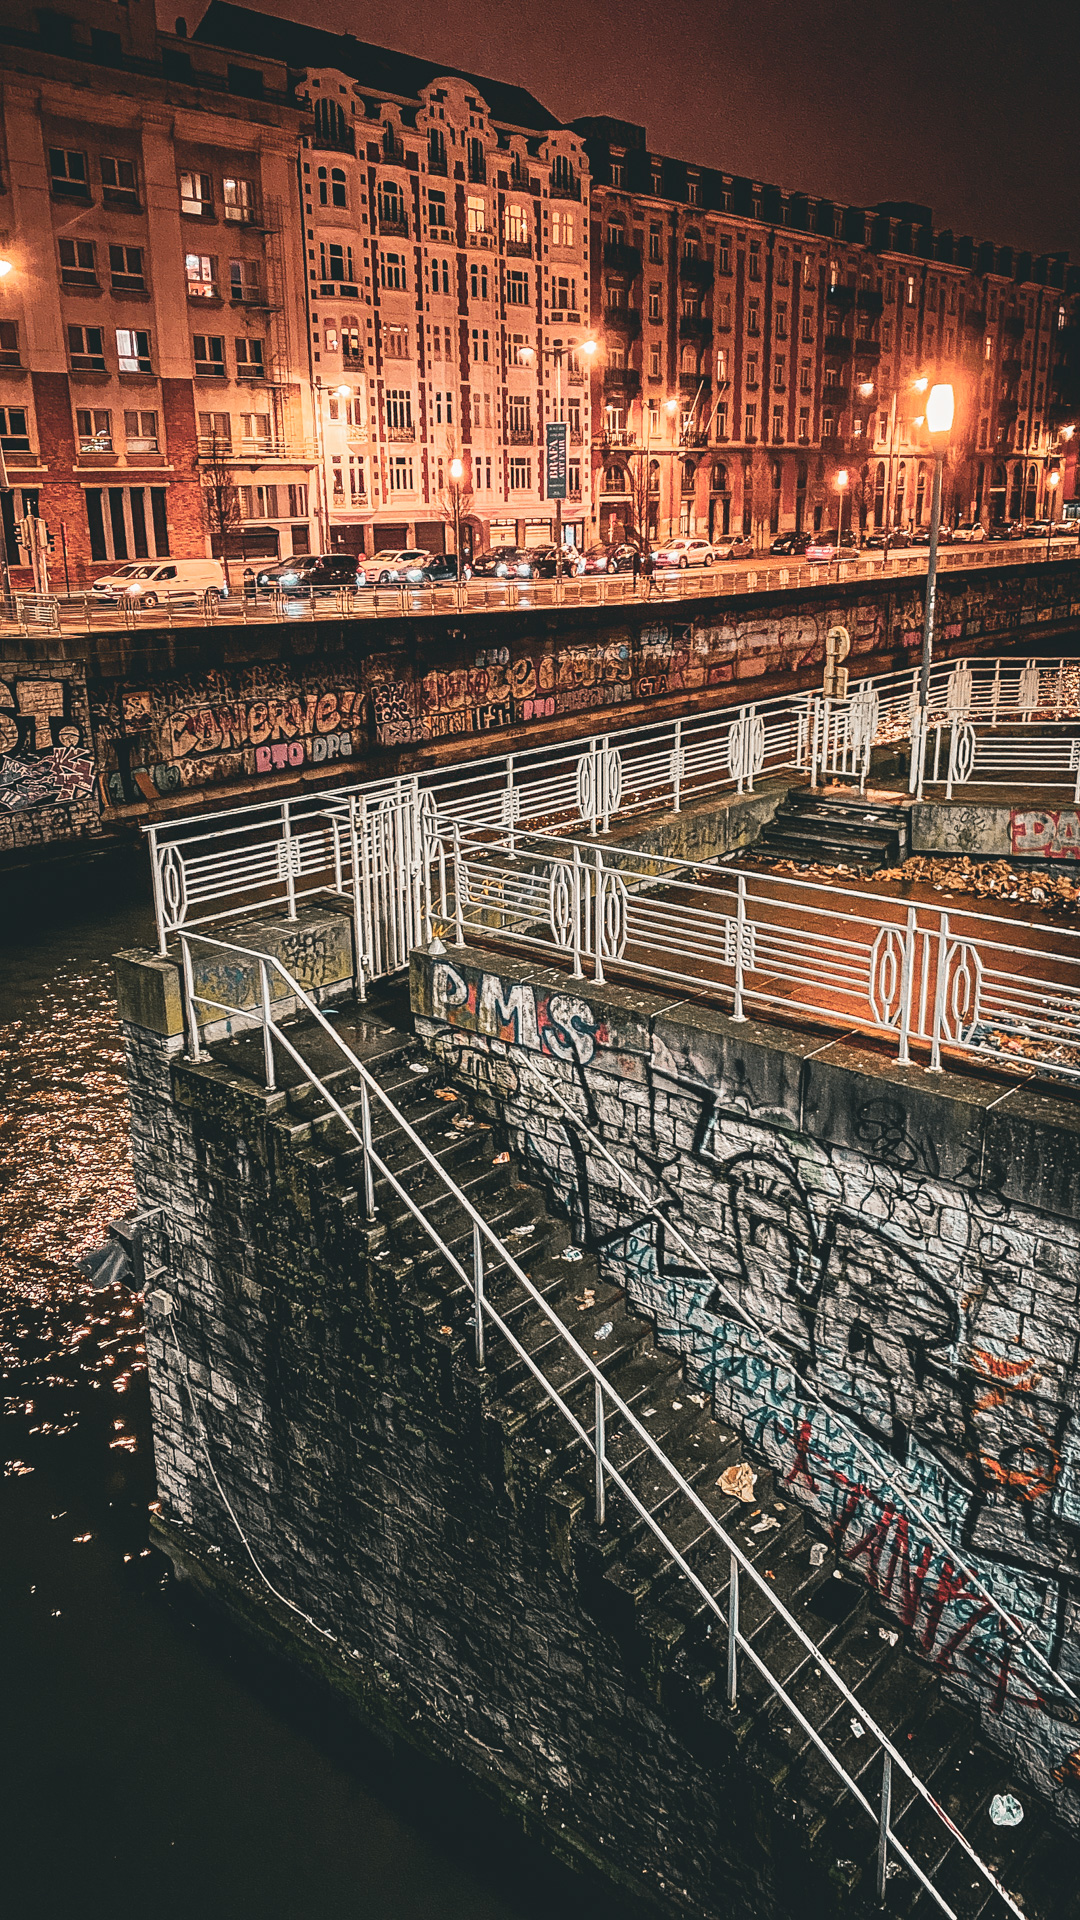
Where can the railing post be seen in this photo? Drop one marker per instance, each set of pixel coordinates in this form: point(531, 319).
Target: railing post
point(268, 1038)
point(733, 1633)
point(576, 904)
point(365, 1136)
point(361, 945)
point(677, 768)
point(459, 925)
point(512, 837)
point(159, 897)
point(599, 1449)
point(478, 1292)
point(884, 1816)
point(907, 979)
point(598, 921)
point(951, 770)
point(740, 937)
point(190, 1013)
point(287, 841)
point(939, 994)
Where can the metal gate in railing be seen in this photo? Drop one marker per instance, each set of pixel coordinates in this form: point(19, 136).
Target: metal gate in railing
point(841, 736)
point(396, 844)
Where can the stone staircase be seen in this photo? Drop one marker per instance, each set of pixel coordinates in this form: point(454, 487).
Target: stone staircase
point(826, 830)
point(631, 1584)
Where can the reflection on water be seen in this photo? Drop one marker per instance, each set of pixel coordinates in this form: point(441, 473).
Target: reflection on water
point(150, 1761)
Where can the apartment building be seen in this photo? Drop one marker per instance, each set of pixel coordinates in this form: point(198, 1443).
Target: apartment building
point(153, 397)
point(757, 345)
point(447, 249)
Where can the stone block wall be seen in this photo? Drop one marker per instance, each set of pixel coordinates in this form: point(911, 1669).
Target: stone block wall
point(400, 1557)
point(889, 1304)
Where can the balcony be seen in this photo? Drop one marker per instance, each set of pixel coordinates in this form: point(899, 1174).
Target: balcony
point(697, 273)
point(975, 319)
point(564, 189)
point(835, 397)
point(1014, 326)
point(839, 296)
point(696, 437)
point(393, 153)
point(621, 380)
point(575, 436)
point(1011, 368)
point(626, 319)
point(343, 142)
point(397, 224)
point(622, 258)
point(837, 346)
point(520, 436)
point(518, 249)
point(436, 163)
point(867, 350)
point(869, 301)
point(690, 382)
point(619, 437)
point(695, 326)
point(401, 433)
point(480, 239)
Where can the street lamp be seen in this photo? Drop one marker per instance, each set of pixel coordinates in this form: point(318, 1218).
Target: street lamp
point(1052, 481)
point(338, 393)
point(940, 407)
point(457, 475)
point(841, 485)
point(528, 355)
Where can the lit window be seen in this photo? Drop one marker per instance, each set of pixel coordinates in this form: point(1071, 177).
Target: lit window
point(133, 350)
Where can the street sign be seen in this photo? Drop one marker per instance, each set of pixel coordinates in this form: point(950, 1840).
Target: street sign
point(556, 460)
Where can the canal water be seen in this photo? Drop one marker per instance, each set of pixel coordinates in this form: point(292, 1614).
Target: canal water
point(151, 1762)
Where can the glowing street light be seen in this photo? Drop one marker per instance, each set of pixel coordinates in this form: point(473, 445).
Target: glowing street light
point(6, 267)
point(939, 413)
point(1053, 481)
point(841, 488)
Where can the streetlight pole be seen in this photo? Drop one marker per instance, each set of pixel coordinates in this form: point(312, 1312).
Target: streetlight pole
point(339, 393)
point(1052, 480)
point(555, 353)
point(940, 406)
point(841, 484)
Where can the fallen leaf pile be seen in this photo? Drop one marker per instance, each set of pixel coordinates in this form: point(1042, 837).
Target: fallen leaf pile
point(988, 880)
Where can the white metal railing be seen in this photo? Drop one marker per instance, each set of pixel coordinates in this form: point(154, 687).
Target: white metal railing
point(79, 612)
point(984, 756)
point(607, 1407)
point(278, 853)
point(985, 986)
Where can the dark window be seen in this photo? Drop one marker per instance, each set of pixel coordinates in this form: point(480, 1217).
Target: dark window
point(9, 343)
point(67, 174)
point(245, 80)
point(96, 522)
point(161, 525)
point(77, 267)
point(14, 430)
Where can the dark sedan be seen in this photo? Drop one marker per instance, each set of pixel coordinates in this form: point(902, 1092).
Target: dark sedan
point(617, 557)
point(436, 570)
point(790, 543)
point(309, 573)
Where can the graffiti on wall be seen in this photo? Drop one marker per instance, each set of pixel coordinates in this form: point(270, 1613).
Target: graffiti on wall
point(1045, 833)
point(46, 755)
point(924, 1355)
point(207, 730)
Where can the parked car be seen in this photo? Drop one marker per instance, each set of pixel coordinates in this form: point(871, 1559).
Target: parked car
point(732, 546)
point(503, 563)
point(265, 579)
point(822, 546)
point(920, 537)
point(153, 583)
point(969, 532)
point(891, 538)
point(615, 557)
point(689, 550)
point(436, 570)
point(390, 567)
point(1005, 530)
point(790, 543)
point(308, 573)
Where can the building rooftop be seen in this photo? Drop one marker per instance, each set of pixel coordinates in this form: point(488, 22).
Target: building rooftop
point(382, 69)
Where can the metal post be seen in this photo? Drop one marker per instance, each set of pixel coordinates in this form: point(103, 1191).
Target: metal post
point(740, 936)
point(287, 842)
point(598, 920)
point(939, 994)
point(268, 1041)
point(478, 1292)
point(510, 802)
point(884, 1816)
point(577, 898)
point(360, 945)
point(365, 1135)
point(931, 590)
point(189, 1001)
point(159, 898)
point(459, 928)
point(907, 976)
point(599, 1448)
point(733, 1633)
point(677, 768)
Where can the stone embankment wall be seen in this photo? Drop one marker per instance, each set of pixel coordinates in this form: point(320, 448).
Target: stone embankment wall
point(910, 1245)
point(193, 715)
point(414, 1570)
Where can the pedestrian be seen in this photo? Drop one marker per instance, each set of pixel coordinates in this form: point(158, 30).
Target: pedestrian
point(636, 564)
point(648, 568)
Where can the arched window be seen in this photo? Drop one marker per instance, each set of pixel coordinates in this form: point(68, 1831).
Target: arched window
point(920, 493)
point(338, 197)
point(614, 480)
point(331, 126)
point(689, 476)
point(616, 231)
point(654, 476)
point(688, 359)
point(901, 488)
point(802, 475)
point(391, 205)
point(719, 477)
point(999, 476)
point(436, 148)
point(691, 245)
point(776, 476)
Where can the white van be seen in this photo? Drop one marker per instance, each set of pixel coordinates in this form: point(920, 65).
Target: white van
point(153, 583)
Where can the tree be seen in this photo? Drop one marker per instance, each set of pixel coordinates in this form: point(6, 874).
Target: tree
point(455, 497)
point(639, 473)
point(222, 497)
point(862, 493)
point(760, 478)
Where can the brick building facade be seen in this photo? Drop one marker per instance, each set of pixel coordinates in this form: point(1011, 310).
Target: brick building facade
point(758, 342)
point(266, 284)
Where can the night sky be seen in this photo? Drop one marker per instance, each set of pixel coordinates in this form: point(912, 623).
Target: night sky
point(967, 106)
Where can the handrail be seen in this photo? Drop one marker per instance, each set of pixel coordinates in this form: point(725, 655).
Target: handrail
point(605, 1397)
point(764, 1331)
